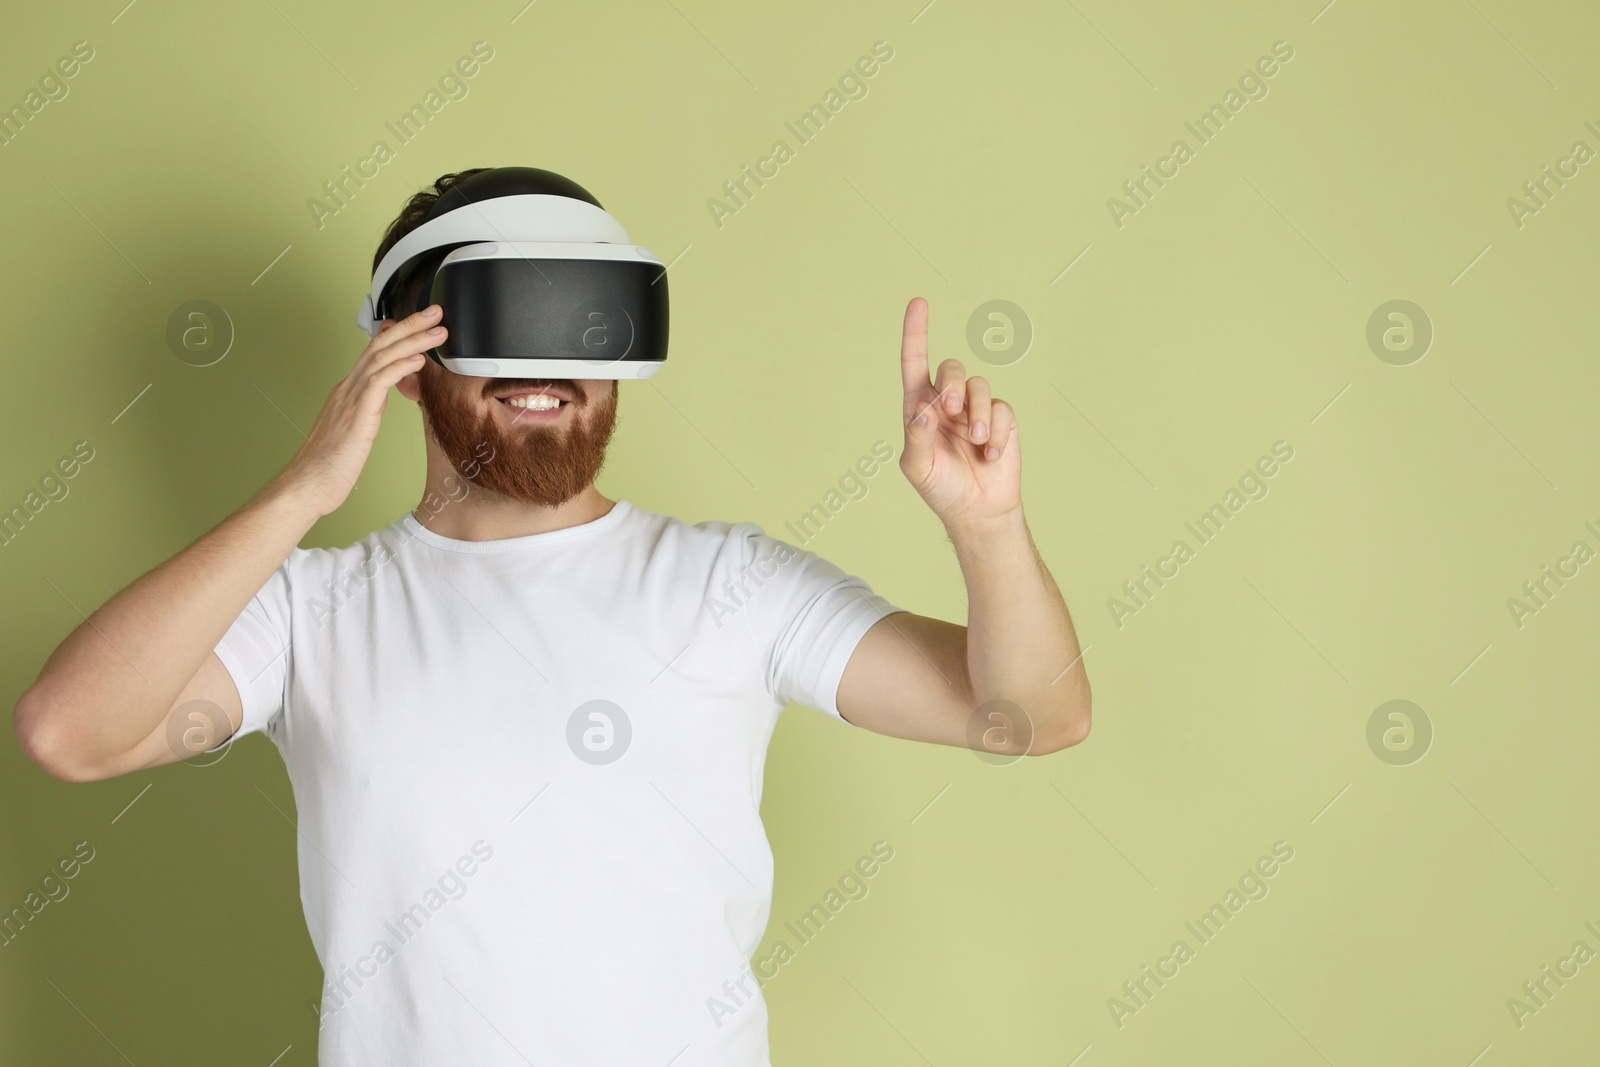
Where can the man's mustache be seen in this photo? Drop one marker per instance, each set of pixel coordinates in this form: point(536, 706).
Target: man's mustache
point(499, 385)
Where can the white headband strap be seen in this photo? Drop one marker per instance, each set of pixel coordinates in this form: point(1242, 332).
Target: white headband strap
point(524, 217)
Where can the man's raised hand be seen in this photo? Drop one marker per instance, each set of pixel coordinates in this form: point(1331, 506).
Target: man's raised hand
point(325, 469)
point(961, 452)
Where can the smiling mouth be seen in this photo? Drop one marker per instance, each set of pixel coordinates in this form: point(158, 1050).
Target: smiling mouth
point(534, 402)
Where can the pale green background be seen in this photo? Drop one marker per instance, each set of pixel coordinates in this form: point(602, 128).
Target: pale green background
point(1223, 317)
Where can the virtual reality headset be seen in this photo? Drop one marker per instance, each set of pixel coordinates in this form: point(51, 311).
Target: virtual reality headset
point(535, 278)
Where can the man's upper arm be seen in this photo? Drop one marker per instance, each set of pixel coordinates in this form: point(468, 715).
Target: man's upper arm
point(240, 686)
point(207, 712)
point(907, 678)
point(805, 614)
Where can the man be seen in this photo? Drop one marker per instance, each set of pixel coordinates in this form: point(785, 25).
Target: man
point(525, 724)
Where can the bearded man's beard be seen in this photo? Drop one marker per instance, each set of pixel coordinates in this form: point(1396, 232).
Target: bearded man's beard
point(534, 464)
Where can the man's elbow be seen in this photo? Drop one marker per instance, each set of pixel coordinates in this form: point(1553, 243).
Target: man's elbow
point(1069, 728)
point(42, 741)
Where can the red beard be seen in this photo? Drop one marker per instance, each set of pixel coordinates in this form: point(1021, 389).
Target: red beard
point(534, 464)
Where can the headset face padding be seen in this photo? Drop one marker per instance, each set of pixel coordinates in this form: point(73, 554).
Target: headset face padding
point(391, 304)
point(535, 279)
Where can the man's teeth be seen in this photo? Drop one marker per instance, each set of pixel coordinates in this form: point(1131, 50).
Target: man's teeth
point(536, 401)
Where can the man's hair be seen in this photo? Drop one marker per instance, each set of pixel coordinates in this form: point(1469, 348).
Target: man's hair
point(410, 217)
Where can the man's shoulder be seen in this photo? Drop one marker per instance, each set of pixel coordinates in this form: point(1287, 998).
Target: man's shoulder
point(738, 551)
point(379, 546)
point(715, 534)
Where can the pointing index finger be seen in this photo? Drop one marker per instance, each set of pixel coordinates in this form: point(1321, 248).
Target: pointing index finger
point(914, 349)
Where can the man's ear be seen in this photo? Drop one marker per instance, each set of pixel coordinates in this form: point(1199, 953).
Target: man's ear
point(410, 387)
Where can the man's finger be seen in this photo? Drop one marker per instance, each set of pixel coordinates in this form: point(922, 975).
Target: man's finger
point(979, 419)
point(914, 351)
point(1000, 434)
point(425, 319)
point(398, 333)
point(417, 344)
point(951, 385)
point(916, 459)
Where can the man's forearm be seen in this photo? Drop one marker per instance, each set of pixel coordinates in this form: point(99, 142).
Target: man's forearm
point(115, 678)
point(1021, 646)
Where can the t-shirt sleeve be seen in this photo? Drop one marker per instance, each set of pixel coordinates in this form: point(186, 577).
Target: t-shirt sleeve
point(255, 650)
point(809, 616)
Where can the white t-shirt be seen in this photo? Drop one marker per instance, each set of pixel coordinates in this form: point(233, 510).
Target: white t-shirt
point(528, 775)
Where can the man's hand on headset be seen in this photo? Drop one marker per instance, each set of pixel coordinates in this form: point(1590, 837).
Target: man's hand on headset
point(961, 452)
point(325, 469)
